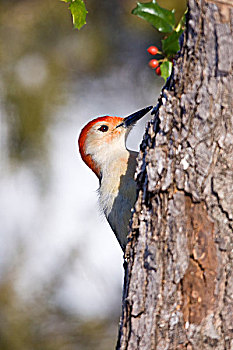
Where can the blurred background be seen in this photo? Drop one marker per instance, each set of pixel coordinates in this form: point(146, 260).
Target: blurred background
point(61, 269)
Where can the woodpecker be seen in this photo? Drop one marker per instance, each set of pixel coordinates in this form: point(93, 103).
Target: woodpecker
point(102, 146)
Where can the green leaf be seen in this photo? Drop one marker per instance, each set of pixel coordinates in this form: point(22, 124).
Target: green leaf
point(78, 12)
point(182, 22)
point(162, 19)
point(166, 69)
point(65, 0)
point(171, 45)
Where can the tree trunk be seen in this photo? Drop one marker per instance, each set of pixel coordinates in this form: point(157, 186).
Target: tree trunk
point(178, 290)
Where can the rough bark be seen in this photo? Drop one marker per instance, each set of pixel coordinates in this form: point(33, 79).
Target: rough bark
point(178, 290)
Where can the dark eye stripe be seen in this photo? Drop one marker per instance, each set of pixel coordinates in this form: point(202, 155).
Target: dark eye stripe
point(103, 128)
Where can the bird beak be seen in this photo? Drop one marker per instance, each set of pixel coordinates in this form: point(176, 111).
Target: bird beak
point(133, 118)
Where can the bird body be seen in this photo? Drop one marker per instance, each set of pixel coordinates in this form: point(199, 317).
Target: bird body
point(117, 194)
point(102, 148)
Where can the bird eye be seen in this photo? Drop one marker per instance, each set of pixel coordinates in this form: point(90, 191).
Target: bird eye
point(103, 128)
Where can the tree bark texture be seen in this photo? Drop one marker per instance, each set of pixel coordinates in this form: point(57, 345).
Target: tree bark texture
point(178, 290)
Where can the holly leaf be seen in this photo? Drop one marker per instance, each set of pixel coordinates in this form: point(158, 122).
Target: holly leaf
point(166, 69)
point(171, 45)
point(182, 22)
point(78, 12)
point(162, 19)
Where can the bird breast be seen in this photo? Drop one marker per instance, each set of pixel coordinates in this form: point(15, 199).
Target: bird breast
point(117, 194)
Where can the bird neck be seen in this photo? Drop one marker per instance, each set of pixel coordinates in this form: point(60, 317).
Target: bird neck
point(114, 165)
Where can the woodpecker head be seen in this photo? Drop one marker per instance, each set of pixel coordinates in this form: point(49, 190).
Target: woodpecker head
point(104, 138)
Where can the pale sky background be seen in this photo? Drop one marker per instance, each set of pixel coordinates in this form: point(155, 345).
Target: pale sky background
point(50, 220)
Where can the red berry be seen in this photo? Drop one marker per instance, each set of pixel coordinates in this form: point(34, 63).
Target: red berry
point(153, 63)
point(153, 50)
point(158, 71)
